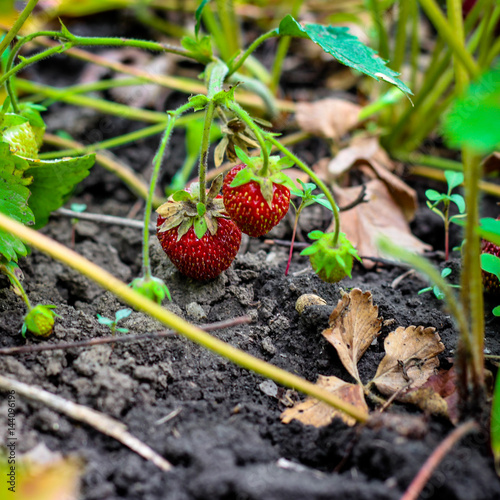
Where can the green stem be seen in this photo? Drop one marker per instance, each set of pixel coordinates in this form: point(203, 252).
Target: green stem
point(447, 33)
point(108, 107)
point(378, 21)
point(400, 47)
point(238, 63)
point(229, 23)
point(414, 43)
point(15, 282)
point(315, 179)
point(157, 161)
point(169, 319)
point(245, 117)
point(429, 161)
point(487, 38)
point(17, 25)
point(282, 50)
point(205, 145)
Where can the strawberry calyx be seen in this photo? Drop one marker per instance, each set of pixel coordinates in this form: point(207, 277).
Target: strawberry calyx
point(331, 262)
point(39, 321)
point(184, 209)
point(253, 173)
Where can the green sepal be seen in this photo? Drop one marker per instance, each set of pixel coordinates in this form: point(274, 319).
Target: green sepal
point(182, 195)
point(200, 227)
point(244, 176)
point(198, 102)
point(65, 31)
point(201, 209)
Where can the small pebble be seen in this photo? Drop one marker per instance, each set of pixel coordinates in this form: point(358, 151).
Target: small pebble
point(308, 299)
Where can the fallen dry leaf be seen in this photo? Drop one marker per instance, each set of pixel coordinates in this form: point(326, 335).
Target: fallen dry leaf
point(410, 359)
point(329, 118)
point(354, 324)
point(381, 215)
point(314, 412)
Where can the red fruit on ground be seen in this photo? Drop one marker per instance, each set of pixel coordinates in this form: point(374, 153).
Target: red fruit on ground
point(248, 208)
point(205, 258)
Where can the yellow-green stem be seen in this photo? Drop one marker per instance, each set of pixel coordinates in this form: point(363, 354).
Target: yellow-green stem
point(15, 281)
point(134, 299)
point(17, 25)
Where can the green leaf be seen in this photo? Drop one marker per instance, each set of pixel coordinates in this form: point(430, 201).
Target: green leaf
point(201, 208)
point(13, 200)
point(242, 177)
point(53, 183)
point(496, 311)
point(346, 48)
point(454, 179)
point(122, 314)
point(490, 229)
point(324, 202)
point(473, 119)
point(197, 15)
point(200, 227)
point(104, 321)
point(491, 264)
point(459, 201)
point(433, 195)
point(445, 272)
point(242, 155)
point(198, 102)
point(181, 195)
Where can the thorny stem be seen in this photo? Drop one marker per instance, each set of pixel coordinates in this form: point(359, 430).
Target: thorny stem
point(191, 332)
point(17, 25)
point(205, 145)
point(316, 180)
point(157, 161)
point(15, 281)
point(245, 117)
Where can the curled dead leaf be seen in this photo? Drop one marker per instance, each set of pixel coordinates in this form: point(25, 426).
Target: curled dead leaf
point(329, 118)
point(410, 359)
point(314, 412)
point(354, 324)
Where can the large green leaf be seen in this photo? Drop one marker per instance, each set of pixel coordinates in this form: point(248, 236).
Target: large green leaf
point(473, 119)
point(53, 183)
point(13, 200)
point(346, 48)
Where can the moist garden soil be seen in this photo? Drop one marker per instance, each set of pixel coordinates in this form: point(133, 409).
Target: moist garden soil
point(214, 421)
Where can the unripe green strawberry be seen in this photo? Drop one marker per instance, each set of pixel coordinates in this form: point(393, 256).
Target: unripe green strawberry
point(152, 288)
point(21, 139)
point(331, 263)
point(490, 281)
point(257, 205)
point(39, 321)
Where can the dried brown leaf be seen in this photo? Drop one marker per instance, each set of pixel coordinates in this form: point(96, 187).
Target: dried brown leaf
point(354, 324)
point(410, 359)
point(314, 412)
point(329, 118)
point(381, 215)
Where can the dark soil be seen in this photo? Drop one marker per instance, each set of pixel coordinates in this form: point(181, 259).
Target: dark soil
point(225, 438)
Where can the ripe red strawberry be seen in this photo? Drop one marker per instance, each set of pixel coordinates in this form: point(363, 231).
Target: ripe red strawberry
point(257, 205)
point(205, 258)
point(200, 239)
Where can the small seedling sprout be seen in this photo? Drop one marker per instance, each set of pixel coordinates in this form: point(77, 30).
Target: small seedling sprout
point(79, 208)
point(435, 289)
point(113, 323)
point(454, 179)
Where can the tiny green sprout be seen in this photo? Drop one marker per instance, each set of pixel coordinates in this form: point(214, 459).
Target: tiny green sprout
point(113, 323)
point(153, 288)
point(454, 179)
point(79, 208)
point(307, 198)
point(39, 321)
point(331, 263)
point(436, 290)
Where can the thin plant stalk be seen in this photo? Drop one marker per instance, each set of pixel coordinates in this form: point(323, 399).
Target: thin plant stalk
point(400, 45)
point(17, 25)
point(205, 144)
point(157, 161)
point(230, 26)
point(15, 281)
point(191, 332)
